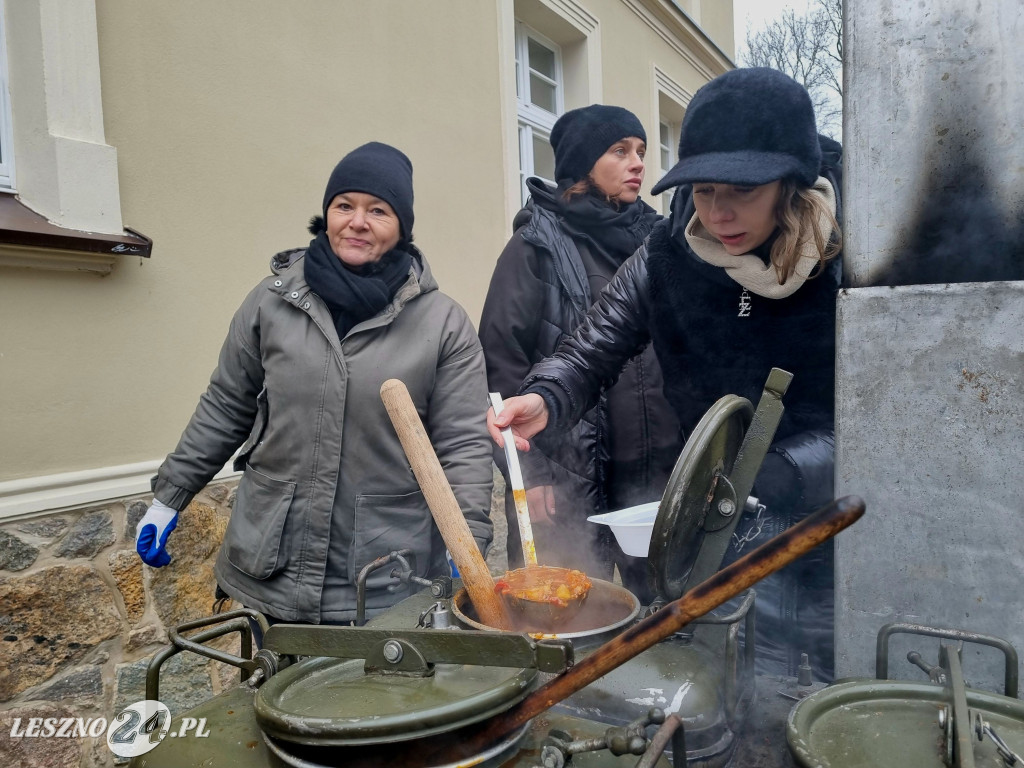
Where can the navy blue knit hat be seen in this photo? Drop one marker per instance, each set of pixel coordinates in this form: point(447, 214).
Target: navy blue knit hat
point(379, 170)
point(749, 126)
point(581, 136)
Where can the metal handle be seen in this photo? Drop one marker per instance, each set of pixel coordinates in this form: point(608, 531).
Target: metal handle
point(671, 730)
point(1010, 677)
point(472, 647)
point(405, 557)
point(232, 621)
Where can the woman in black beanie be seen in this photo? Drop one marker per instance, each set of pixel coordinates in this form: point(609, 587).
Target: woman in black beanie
point(297, 394)
point(742, 277)
point(568, 242)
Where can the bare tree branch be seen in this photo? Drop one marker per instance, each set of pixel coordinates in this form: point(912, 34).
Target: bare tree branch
point(808, 48)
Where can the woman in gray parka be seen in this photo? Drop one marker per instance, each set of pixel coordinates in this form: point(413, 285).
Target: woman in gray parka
point(326, 486)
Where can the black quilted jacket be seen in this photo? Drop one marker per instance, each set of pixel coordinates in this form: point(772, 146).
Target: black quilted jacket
point(621, 448)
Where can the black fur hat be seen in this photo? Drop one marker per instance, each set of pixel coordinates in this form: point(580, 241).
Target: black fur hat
point(379, 170)
point(581, 136)
point(749, 126)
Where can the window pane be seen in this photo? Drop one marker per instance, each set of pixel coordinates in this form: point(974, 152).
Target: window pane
point(542, 94)
point(524, 171)
point(543, 158)
point(665, 145)
point(542, 58)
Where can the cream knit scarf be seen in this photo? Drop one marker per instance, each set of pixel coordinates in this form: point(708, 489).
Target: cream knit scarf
point(750, 271)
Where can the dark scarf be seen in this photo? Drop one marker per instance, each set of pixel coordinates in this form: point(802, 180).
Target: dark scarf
point(616, 231)
point(353, 294)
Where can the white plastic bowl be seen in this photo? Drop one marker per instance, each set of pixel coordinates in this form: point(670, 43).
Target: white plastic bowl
point(632, 527)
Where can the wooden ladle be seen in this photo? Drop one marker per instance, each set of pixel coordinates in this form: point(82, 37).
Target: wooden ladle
point(443, 505)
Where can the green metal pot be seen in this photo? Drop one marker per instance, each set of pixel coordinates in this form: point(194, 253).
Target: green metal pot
point(880, 723)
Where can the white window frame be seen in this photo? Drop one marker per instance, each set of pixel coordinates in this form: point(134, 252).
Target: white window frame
point(67, 172)
point(534, 122)
point(670, 101)
point(666, 127)
point(7, 179)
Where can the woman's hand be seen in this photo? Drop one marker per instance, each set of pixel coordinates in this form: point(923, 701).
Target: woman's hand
point(540, 500)
point(526, 415)
point(152, 532)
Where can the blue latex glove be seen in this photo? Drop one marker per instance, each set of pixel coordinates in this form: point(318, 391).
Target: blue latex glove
point(153, 529)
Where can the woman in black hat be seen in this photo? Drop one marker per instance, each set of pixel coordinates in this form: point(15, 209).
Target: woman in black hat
point(569, 240)
point(325, 488)
point(742, 277)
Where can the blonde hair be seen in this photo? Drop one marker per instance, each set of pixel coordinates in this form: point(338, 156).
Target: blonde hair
point(798, 213)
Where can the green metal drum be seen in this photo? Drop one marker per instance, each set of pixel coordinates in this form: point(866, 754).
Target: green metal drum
point(886, 724)
point(881, 723)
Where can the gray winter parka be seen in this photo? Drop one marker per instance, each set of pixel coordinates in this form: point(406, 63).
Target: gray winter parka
point(326, 486)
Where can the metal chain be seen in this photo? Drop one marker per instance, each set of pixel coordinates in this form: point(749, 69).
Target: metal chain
point(739, 542)
point(983, 728)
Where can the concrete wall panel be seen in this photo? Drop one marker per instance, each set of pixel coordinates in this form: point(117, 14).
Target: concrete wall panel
point(930, 423)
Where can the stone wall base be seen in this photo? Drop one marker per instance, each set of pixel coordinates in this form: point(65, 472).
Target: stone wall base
point(81, 617)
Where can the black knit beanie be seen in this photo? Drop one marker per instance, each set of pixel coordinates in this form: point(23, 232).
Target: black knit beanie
point(379, 170)
point(581, 136)
point(749, 126)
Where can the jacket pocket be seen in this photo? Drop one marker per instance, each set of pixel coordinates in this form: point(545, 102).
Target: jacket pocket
point(384, 524)
point(259, 424)
point(253, 538)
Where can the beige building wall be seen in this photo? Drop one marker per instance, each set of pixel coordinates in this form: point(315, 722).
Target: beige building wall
point(226, 118)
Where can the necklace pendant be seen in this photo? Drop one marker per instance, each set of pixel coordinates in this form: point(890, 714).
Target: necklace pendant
point(745, 304)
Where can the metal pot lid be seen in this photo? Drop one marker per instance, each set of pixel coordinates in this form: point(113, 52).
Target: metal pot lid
point(686, 520)
point(334, 702)
point(886, 724)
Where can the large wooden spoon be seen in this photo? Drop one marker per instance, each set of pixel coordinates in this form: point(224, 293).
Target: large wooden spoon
point(443, 504)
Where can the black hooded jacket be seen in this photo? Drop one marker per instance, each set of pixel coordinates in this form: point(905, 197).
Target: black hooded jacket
point(624, 444)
